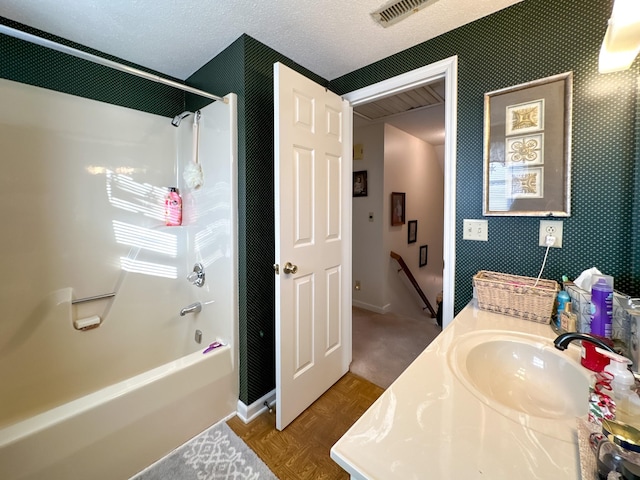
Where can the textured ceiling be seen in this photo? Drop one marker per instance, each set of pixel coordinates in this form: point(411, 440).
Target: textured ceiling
point(328, 37)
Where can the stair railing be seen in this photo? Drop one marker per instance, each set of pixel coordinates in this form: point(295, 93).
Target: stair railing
point(404, 268)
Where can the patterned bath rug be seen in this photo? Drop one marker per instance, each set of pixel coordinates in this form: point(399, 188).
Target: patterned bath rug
point(216, 454)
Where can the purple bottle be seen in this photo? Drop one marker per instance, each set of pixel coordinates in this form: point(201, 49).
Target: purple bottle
point(601, 308)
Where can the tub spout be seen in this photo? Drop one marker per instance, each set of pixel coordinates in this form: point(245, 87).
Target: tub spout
point(563, 341)
point(193, 308)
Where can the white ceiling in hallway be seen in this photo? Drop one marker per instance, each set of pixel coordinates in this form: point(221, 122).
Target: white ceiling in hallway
point(419, 112)
point(328, 37)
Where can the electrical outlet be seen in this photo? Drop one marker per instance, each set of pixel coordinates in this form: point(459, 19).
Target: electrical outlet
point(553, 228)
point(357, 286)
point(475, 230)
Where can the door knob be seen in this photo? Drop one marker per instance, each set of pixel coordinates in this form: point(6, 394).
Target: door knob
point(289, 268)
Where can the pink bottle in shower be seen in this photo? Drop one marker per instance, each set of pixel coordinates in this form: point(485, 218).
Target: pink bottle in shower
point(173, 208)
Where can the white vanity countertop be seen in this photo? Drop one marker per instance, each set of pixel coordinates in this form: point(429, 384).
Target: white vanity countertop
point(428, 424)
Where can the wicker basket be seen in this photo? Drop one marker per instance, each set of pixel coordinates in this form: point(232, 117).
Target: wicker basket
point(516, 296)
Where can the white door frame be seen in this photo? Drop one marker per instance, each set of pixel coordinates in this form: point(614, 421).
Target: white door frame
point(447, 69)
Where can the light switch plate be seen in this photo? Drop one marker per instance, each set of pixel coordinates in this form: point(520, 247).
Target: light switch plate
point(475, 230)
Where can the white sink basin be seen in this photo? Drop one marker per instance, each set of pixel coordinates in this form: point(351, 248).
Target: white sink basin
point(523, 377)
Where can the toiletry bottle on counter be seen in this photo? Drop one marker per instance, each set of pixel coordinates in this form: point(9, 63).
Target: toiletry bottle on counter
point(563, 299)
point(173, 208)
point(602, 306)
point(623, 387)
point(568, 319)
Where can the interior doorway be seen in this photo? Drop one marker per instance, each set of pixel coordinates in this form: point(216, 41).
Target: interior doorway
point(445, 70)
point(399, 142)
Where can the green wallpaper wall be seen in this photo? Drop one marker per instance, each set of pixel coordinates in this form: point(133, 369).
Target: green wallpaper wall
point(530, 40)
point(636, 201)
point(246, 68)
point(42, 67)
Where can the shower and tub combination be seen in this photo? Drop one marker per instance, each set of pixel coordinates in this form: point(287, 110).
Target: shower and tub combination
point(106, 310)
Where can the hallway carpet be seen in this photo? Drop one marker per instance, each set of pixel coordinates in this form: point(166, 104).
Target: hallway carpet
point(385, 345)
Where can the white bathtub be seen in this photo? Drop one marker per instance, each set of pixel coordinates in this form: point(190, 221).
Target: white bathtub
point(117, 431)
point(107, 402)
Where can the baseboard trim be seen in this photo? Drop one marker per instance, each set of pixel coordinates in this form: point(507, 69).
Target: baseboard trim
point(372, 308)
point(246, 413)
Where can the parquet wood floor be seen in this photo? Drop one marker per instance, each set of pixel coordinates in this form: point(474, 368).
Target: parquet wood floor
point(301, 451)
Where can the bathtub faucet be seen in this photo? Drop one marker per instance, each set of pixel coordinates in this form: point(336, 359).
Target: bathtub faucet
point(193, 308)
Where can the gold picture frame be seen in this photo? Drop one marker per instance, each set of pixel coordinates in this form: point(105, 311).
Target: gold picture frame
point(527, 149)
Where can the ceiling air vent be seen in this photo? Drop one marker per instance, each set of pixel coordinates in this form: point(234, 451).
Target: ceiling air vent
point(394, 12)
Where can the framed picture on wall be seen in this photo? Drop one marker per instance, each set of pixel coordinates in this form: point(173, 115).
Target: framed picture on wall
point(413, 231)
point(397, 208)
point(360, 183)
point(527, 149)
point(423, 255)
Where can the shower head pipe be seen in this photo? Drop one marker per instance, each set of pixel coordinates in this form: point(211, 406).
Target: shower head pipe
point(178, 118)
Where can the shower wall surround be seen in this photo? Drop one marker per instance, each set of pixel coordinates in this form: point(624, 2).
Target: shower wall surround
point(82, 189)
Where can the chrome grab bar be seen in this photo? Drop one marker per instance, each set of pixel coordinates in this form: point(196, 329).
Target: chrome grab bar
point(95, 297)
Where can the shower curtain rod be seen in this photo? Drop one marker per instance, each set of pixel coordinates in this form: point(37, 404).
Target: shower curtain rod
point(19, 34)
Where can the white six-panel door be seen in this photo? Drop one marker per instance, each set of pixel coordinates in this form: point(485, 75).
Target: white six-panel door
point(313, 175)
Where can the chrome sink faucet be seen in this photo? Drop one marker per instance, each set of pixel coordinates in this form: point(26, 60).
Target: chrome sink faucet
point(563, 341)
point(193, 308)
